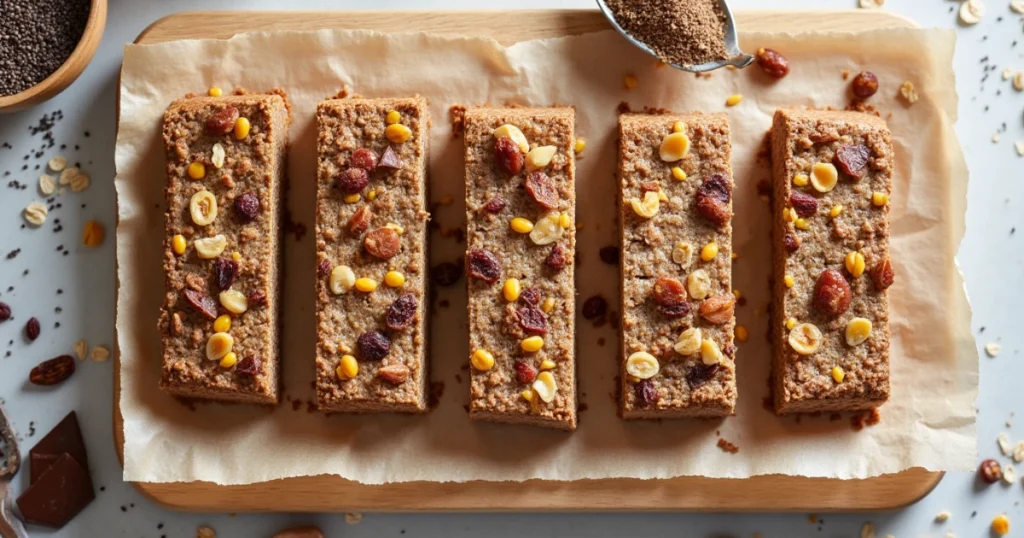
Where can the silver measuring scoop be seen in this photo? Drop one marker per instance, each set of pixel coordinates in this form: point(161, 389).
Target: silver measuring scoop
point(10, 462)
point(736, 57)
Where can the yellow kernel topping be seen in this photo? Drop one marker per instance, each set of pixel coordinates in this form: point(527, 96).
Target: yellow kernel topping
point(824, 177)
point(630, 81)
point(858, 330)
point(662, 196)
point(228, 360)
point(802, 224)
point(178, 243)
point(242, 127)
point(734, 99)
point(709, 251)
point(394, 279)
point(366, 285)
point(564, 221)
point(511, 289)
point(678, 174)
point(521, 225)
point(674, 147)
point(801, 180)
point(236, 255)
point(838, 374)
point(396, 227)
point(222, 324)
point(789, 281)
point(741, 333)
point(532, 344)
point(397, 133)
point(527, 395)
point(787, 214)
point(734, 255)
point(371, 195)
point(92, 235)
point(790, 323)
point(1001, 525)
point(737, 294)
point(547, 364)
point(215, 92)
point(855, 263)
point(352, 198)
point(482, 360)
point(678, 127)
point(835, 211)
point(548, 305)
point(197, 170)
point(393, 117)
point(879, 198)
point(581, 144)
point(348, 367)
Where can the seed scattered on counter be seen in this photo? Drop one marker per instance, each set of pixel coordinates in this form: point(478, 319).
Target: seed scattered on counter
point(45, 31)
point(81, 348)
point(971, 12)
point(35, 213)
point(1019, 146)
point(908, 92)
point(353, 518)
point(100, 354)
point(992, 349)
point(206, 532)
point(943, 516)
point(867, 531)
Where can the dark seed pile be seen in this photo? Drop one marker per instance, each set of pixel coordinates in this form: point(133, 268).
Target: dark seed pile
point(36, 36)
point(684, 32)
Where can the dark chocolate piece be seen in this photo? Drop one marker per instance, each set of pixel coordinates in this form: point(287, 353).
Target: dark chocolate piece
point(59, 494)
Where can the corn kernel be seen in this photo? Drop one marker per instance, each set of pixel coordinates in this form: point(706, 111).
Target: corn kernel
point(564, 221)
point(787, 214)
point(734, 99)
point(547, 364)
point(397, 133)
point(1001, 525)
point(855, 263)
point(674, 147)
point(92, 235)
point(824, 177)
point(838, 374)
point(801, 224)
point(678, 174)
point(548, 305)
point(228, 360)
point(242, 127)
point(835, 211)
point(527, 395)
point(237, 256)
point(178, 243)
point(482, 360)
point(734, 256)
point(396, 227)
point(879, 198)
point(678, 127)
point(789, 281)
point(215, 92)
point(737, 294)
point(630, 82)
point(197, 170)
point(393, 117)
point(371, 195)
point(222, 324)
point(662, 197)
point(741, 333)
point(348, 367)
point(366, 285)
point(532, 344)
point(394, 279)
point(581, 144)
point(709, 251)
point(790, 323)
point(218, 345)
point(352, 198)
point(521, 225)
point(858, 330)
point(511, 289)
point(801, 180)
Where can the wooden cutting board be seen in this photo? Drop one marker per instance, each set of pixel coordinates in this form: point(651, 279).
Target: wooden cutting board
point(333, 494)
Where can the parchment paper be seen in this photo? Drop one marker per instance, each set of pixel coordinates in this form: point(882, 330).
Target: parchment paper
point(929, 421)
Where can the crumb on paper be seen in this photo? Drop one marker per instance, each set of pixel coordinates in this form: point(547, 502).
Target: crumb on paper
point(81, 349)
point(726, 446)
point(846, 74)
point(1018, 452)
point(353, 518)
point(1009, 474)
point(992, 349)
point(1019, 145)
point(943, 516)
point(908, 92)
point(867, 530)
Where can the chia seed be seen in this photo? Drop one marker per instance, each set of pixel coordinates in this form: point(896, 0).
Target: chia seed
point(38, 36)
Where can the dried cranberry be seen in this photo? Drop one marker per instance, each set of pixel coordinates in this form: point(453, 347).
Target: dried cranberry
point(852, 159)
point(223, 121)
point(5, 312)
point(804, 204)
point(645, 393)
point(700, 373)
point(383, 243)
point(202, 303)
point(323, 268)
point(668, 291)
point(495, 205)
point(713, 198)
point(864, 85)
point(257, 299)
point(390, 159)
point(556, 260)
point(675, 310)
point(508, 155)
point(773, 63)
point(250, 365)
point(526, 373)
point(484, 265)
point(32, 329)
point(883, 275)
point(609, 255)
point(247, 206)
point(373, 345)
point(353, 180)
point(224, 271)
point(446, 273)
point(365, 159)
point(595, 308)
point(532, 320)
point(530, 296)
point(990, 471)
point(360, 220)
point(832, 293)
point(540, 187)
point(401, 312)
point(791, 242)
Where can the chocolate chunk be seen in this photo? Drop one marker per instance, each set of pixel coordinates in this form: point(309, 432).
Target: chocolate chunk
point(59, 494)
point(389, 159)
point(65, 437)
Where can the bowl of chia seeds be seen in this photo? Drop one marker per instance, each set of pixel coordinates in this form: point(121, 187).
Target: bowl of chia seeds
point(44, 46)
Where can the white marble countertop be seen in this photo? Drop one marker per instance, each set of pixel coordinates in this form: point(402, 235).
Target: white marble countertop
point(990, 256)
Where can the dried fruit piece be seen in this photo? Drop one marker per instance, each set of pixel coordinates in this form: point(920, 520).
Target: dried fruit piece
point(548, 229)
point(5, 312)
point(209, 248)
point(484, 265)
point(53, 371)
point(32, 329)
point(383, 243)
point(594, 308)
point(852, 159)
point(864, 85)
point(223, 121)
point(446, 273)
point(990, 471)
point(668, 291)
point(530, 296)
point(713, 197)
point(772, 63)
point(353, 180)
point(532, 320)
point(525, 372)
point(224, 271)
point(203, 208)
point(402, 312)
point(495, 205)
point(202, 303)
point(396, 374)
point(718, 310)
point(804, 204)
point(701, 373)
point(642, 365)
point(557, 259)
point(249, 366)
point(247, 206)
point(542, 189)
point(360, 220)
point(508, 155)
point(645, 393)
point(689, 341)
point(373, 345)
point(832, 294)
point(883, 275)
point(257, 299)
point(790, 242)
point(390, 159)
point(539, 157)
point(366, 159)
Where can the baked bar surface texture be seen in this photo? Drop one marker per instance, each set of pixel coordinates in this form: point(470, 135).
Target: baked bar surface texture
point(371, 235)
point(222, 249)
point(675, 211)
point(830, 309)
point(521, 248)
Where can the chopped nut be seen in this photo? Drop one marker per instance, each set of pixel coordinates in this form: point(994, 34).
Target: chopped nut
point(99, 354)
point(234, 301)
point(824, 177)
point(642, 365)
point(1019, 146)
point(219, 345)
point(1017, 6)
point(971, 12)
point(805, 338)
point(210, 247)
point(907, 91)
point(545, 387)
point(858, 330)
point(682, 254)
point(46, 184)
point(217, 155)
point(540, 157)
point(1009, 474)
point(81, 348)
point(512, 132)
point(698, 284)
point(482, 360)
point(674, 147)
point(688, 342)
point(943, 516)
point(1018, 452)
point(710, 352)
point(992, 349)
point(838, 374)
point(203, 208)
point(1003, 440)
point(1018, 81)
point(548, 229)
point(35, 213)
point(205, 532)
point(648, 207)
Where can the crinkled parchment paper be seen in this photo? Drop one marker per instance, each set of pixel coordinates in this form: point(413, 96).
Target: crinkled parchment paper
point(929, 421)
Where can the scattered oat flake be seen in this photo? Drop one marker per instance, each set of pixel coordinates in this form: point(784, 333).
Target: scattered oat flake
point(1018, 452)
point(992, 349)
point(81, 349)
point(950, 535)
point(1009, 474)
point(1003, 440)
point(1019, 145)
point(47, 185)
point(972, 11)
point(867, 531)
point(1017, 6)
point(942, 516)
point(871, 4)
point(1018, 81)
point(908, 93)
point(1007, 73)
point(100, 353)
point(205, 532)
point(353, 518)
point(995, 138)
point(35, 213)
point(57, 163)
point(67, 175)
point(80, 182)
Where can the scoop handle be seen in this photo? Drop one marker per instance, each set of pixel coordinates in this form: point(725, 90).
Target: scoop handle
point(10, 524)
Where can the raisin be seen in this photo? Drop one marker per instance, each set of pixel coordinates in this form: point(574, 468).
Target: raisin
point(360, 220)
point(609, 255)
point(700, 373)
point(530, 296)
point(645, 393)
point(257, 299)
point(804, 204)
point(990, 471)
point(508, 156)
point(668, 291)
point(484, 265)
point(832, 293)
point(773, 63)
point(383, 243)
point(852, 159)
point(791, 242)
point(250, 365)
point(446, 273)
point(883, 275)
point(675, 310)
point(396, 374)
point(495, 205)
point(32, 329)
point(353, 180)
point(401, 312)
point(713, 198)
point(53, 371)
point(224, 271)
point(532, 320)
point(595, 308)
point(365, 159)
point(390, 159)
point(864, 85)
point(247, 206)
point(5, 312)
point(556, 260)
point(526, 373)
point(223, 121)
point(323, 268)
point(373, 345)
point(718, 310)
point(540, 187)
point(202, 303)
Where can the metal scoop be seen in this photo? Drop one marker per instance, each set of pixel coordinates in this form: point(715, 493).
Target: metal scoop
point(10, 462)
point(736, 57)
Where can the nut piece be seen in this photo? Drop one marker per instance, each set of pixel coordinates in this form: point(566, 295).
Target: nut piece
point(772, 63)
point(971, 12)
point(858, 330)
point(210, 247)
point(234, 301)
point(698, 284)
point(907, 91)
point(1009, 475)
point(203, 208)
point(223, 121)
point(383, 243)
point(682, 254)
point(217, 155)
point(824, 177)
point(539, 157)
point(396, 374)
point(832, 294)
point(805, 338)
point(508, 155)
point(718, 310)
point(689, 341)
point(81, 348)
point(545, 386)
point(512, 132)
point(35, 213)
point(710, 353)
point(219, 345)
point(100, 354)
point(648, 207)
point(548, 229)
point(864, 85)
point(642, 365)
point(53, 371)
point(674, 146)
